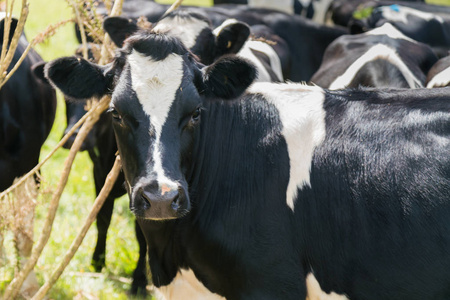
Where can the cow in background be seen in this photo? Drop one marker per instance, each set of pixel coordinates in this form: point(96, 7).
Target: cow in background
point(381, 57)
point(27, 112)
point(439, 74)
point(430, 28)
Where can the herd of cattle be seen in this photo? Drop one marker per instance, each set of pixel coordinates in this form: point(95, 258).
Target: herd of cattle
point(265, 155)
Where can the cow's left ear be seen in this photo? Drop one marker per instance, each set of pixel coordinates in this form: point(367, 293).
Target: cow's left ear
point(228, 77)
point(12, 29)
point(231, 36)
point(119, 29)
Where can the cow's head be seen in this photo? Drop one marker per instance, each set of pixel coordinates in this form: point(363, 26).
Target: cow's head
point(158, 91)
point(193, 29)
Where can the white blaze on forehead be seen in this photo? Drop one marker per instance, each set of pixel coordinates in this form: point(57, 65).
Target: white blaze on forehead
point(440, 79)
point(389, 30)
point(186, 286)
point(303, 120)
point(186, 29)
point(379, 51)
point(398, 13)
point(155, 84)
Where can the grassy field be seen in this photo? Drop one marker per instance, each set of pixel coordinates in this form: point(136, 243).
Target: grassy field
point(122, 249)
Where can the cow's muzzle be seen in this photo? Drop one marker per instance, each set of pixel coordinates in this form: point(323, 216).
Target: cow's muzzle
point(160, 202)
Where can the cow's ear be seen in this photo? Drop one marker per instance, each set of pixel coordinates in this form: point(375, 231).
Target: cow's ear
point(228, 77)
point(12, 29)
point(231, 36)
point(78, 78)
point(119, 29)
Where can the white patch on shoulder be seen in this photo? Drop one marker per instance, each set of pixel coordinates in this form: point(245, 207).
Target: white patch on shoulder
point(389, 30)
point(155, 84)
point(314, 291)
point(186, 286)
point(441, 79)
point(400, 14)
point(378, 51)
point(303, 120)
point(185, 29)
point(275, 62)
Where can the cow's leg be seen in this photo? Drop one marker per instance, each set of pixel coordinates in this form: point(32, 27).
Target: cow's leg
point(140, 281)
point(103, 221)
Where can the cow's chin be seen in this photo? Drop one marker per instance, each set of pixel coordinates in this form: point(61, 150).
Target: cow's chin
point(158, 215)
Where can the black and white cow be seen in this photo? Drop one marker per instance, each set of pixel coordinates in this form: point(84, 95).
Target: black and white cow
point(427, 27)
point(196, 32)
point(381, 57)
point(27, 112)
point(439, 74)
point(257, 189)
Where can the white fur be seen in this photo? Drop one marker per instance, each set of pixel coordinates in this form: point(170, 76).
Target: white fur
point(156, 83)
point(275, 63)
point(403, 12)
point(389, 30)
point(314, 291)
point(303, 120)
point(185, 29)
point(286, 6)
point(225, 23)
point(440, 79)
point(376, 52)
point(185, 286)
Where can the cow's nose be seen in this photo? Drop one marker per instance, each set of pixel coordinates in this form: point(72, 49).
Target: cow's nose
point(160, 202)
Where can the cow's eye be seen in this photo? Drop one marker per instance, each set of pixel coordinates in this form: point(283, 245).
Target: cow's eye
point(114, 114)
point(196, 115)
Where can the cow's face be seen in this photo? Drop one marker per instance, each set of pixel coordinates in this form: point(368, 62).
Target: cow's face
point(156, 108)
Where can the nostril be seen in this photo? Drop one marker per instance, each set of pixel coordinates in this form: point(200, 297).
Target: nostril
point(145, 198)
point(176, 203)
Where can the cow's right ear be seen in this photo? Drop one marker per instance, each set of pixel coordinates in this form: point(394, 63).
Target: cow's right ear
point(12, 29)
point(119, 29)
point(78, 78)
